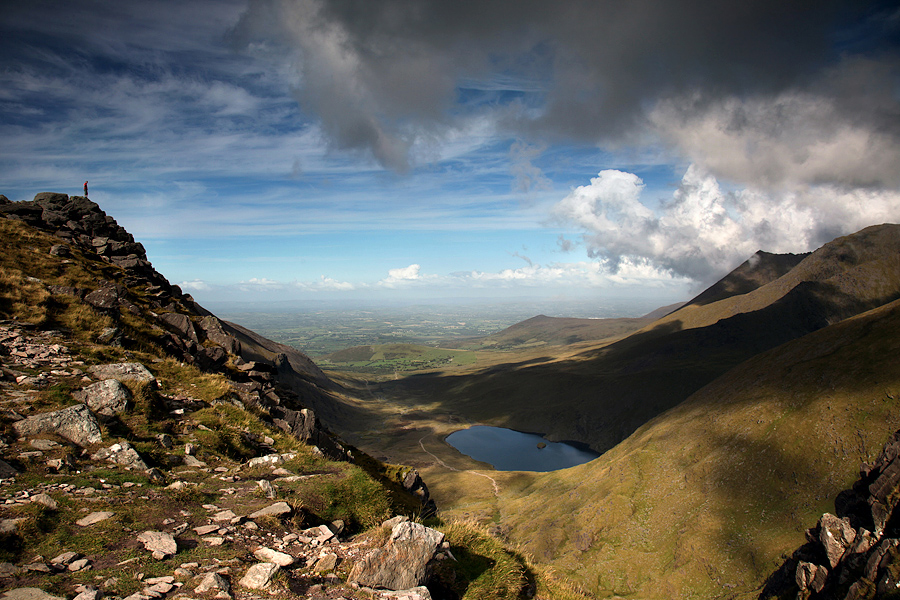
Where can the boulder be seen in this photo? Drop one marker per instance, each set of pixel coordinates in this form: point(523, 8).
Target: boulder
point(107, 398)
point(160, 543)
point(403, 562)
point(124, 372)
point(259, 576)
point(75, 423)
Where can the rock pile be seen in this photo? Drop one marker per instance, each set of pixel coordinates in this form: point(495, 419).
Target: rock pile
point(855, 553)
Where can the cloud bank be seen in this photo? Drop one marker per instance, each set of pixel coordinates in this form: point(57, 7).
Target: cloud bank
point(703, 231)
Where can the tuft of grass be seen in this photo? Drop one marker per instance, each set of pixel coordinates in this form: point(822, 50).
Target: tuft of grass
point(348, 494)
point(484, 569)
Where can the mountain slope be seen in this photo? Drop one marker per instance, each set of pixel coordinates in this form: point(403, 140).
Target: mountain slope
point(601, 396)
point(703, 500)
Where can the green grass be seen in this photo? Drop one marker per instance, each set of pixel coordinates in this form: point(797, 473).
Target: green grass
point(388, 358)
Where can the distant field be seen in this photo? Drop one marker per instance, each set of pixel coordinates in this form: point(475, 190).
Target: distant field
point(391, 358)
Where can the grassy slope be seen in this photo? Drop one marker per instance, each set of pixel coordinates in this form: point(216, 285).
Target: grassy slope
point(703, 500)
point(601, 396)
point(555, 331)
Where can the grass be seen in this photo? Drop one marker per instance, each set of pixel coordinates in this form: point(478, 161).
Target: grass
point(389, 358)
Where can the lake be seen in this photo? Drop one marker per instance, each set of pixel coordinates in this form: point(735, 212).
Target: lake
point(508, 450)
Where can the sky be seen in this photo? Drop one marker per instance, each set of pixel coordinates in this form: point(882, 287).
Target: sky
point(300, 150)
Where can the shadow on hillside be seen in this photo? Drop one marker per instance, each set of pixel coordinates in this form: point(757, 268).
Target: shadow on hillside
point(603, 396)
point(761, 491)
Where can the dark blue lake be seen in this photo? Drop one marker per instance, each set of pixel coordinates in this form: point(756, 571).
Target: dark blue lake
point(508, 450)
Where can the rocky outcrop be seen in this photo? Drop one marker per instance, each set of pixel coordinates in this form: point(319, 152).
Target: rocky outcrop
point(855, 553)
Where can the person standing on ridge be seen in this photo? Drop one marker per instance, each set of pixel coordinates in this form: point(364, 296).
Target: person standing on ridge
point(85, 189)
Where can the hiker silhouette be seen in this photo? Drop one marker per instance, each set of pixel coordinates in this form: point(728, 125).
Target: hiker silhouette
point(85, 189)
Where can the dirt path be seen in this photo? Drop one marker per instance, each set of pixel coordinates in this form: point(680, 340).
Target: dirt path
point(446, 466)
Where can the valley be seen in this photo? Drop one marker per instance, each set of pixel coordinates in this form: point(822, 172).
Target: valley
point(731, 429)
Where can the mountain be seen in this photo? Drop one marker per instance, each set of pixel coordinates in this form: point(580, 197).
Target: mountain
point(708, 498)
point(601, 395)
point(149, 449)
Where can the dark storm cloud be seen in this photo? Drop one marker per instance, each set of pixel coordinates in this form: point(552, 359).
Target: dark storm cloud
point(378, 74)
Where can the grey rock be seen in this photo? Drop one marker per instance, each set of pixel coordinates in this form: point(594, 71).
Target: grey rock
point(835, 535)
point(89, 593)
point(45, 500)
point(94, 517)
point(160, 543)
point(259, 576)
point(181, 324)
point(123, 372)
point(273, 556)
point(41, 444)
point(65, 558)
point(75, 423)
point(403, 562)
point(79, 565)
point(276, 510)
point(29, 593)
point(211, 582)
point(10, 525)
point(417, 593)
point(108, 397)
point(121, 453)
point(106, 298)
point(327, 562)
point(267, 488)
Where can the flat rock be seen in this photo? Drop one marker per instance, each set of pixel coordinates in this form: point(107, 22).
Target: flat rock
point(417, 593)
point(29, 593)
point(160, 543)
point(259, 576)
point(123, 372)
point(94, 517)
point(75, 423)
point(277, 509)
point(281, 559)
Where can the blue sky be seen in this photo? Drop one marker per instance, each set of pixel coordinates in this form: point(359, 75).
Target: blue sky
point(295, 149)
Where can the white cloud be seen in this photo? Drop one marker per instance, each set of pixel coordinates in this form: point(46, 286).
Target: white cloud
point(401, 275)
point(324, 284)
point(196, 285)
point(703, 232)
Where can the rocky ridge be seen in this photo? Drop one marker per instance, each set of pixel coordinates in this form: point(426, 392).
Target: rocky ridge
point(853, 554)
point(111, 462)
